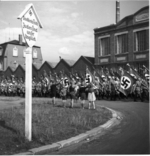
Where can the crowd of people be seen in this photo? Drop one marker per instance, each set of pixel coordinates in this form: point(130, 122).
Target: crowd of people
point(74, 88)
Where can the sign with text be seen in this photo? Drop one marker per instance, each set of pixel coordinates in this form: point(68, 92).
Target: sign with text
point(140, 56)
point(30, 24)
point(142, 17)
point(104, 60)
point(121, 58)
point(30, 27)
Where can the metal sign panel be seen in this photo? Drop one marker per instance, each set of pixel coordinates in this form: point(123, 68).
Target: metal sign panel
point(30, 27)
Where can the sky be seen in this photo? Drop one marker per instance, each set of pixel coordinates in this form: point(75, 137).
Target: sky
point(68, 26)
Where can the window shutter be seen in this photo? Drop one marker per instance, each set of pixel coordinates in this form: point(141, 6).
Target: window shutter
point(116, 45)
point(101, 49)
point(0, 65)
point(134, 35)
point(108, 45)
point(1, 51)
point(100, 46)
point(105, 46)
point(127, 44)
point(123, 44)
point(147, 39)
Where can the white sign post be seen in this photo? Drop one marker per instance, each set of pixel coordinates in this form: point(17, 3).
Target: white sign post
point(30, 24)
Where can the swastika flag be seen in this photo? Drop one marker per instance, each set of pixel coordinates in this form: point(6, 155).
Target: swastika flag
point(126, 82)
point(89, 76)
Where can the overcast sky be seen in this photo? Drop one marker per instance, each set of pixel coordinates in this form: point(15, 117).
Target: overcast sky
point(67, 25)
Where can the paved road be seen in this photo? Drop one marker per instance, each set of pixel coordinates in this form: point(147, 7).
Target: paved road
point(131, 136)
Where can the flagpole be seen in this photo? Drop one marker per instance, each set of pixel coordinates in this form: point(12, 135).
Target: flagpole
point(146, 68)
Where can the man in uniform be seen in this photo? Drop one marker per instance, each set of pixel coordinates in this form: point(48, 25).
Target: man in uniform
point(45, 83)
point(112, 89)
point(14, 82)
point(107, 87)
point(33, 86)
point(137, 89)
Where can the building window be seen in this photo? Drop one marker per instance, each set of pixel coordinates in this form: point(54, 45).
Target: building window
point(122, 43)
point(34, 53)
point(24, 53)
point(15, 51)
point(1, 65)
point(141, 40)
point(1, 51)
point(104, 46)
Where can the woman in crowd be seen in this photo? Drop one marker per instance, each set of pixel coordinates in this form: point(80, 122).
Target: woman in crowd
point(91, 95)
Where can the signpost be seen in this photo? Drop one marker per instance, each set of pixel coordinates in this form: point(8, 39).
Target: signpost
point(30, 24)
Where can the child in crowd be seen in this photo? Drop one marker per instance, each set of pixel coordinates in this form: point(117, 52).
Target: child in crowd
point(91, 95)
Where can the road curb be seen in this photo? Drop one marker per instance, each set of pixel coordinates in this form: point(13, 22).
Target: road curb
point(73, 140)
point(116, 116)
point(45, 149)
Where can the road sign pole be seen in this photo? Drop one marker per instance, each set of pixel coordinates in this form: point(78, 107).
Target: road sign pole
point(28, 95)
point(30, 24)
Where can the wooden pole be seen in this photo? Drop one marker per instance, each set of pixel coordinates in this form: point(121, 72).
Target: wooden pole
point(28, 95)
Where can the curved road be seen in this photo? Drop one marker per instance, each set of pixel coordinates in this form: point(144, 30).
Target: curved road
point(131, 136)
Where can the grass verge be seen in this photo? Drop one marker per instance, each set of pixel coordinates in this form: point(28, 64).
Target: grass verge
point(49, 125)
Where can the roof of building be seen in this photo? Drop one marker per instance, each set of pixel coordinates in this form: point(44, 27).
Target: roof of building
point(37, 65)
point(107, 26)
point(126, 17)
point(21, 66)
point(69, 62)
point(87, 59)
point(10, 68)
point(16, 42)
point(52, 64)
point(90, 59)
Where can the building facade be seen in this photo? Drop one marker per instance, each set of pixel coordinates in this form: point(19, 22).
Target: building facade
point(127, 41)
point(12, 54)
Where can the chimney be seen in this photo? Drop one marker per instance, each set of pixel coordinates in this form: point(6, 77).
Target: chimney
point(20, 39)
point(59, 57)
point(117, 11)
